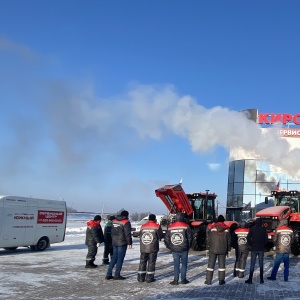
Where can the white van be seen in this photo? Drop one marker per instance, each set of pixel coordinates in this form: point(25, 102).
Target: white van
point(31, 222)
point(136, 227)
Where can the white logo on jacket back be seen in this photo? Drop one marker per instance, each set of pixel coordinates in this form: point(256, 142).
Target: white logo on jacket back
point(285, 240)
point(242, 241)
point(177, 238)
point(147, 238)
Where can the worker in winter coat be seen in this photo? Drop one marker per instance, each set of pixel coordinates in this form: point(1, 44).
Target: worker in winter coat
point(121, 240)
point(239, 240)
point(150, 235)
point(178, 239)
point(108, 247)
point(218, 244)
point(283, 239)
point(94, 237)
point(257, 239)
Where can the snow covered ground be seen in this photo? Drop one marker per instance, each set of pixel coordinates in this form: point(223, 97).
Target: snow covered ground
point(59, 273)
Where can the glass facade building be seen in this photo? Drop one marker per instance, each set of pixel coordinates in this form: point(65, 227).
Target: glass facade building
point(249, 182)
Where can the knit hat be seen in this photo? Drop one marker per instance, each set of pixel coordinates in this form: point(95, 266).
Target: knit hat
point(125, 213)
point(152, 217)
point(220, 218)
point(97, 218)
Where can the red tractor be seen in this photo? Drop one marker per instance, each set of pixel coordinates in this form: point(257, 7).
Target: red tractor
point(286, 206)
point(198, 207)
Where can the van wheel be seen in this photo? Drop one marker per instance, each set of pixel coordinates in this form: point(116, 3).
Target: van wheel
point(42, 244)
point(11, 248)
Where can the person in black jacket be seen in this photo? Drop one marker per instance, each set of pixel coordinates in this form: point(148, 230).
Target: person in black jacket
point(178, 239)
point(283, 239)
point(218, 244)
point(150, 235)
point(94, 237)
point(108, 247)
point(257, 239)
point(121, 239)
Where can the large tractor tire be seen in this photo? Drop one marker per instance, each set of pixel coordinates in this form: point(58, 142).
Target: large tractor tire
point(199, 238)
point(295, 249)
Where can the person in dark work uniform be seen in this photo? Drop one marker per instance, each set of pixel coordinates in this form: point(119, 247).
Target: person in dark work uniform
point(218, 243)
point(93, 239)
point(239, 240)
point(150, 235)
point(178, 239)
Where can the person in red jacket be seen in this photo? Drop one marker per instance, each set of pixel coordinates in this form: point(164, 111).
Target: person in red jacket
point(218, 244)
point(283, 239)
point(178, 239)
point(94, 237)
point(121, 240)
point(150, 235)
point(239, 240)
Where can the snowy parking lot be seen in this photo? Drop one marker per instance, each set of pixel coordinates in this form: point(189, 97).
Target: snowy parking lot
point(59, 273)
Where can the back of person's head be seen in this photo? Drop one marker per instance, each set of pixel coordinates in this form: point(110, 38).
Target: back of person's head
point(97, 218)
point(258, 222)
point(243, 224)
point(111, 218)
point(220, 219)
point(152, 217)
point(125, 213)
point(180, 217)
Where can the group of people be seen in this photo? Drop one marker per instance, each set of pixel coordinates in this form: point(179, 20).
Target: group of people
point(178, 238)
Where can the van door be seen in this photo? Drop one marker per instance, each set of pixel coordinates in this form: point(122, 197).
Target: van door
point(13, 222)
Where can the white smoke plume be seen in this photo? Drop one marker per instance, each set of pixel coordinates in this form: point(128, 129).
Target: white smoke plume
point(155, 111)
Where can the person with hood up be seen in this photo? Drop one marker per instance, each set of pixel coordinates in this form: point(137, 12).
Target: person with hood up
point(218, 244)
point(121, 239)
point(257, 239)
point(93, 239)
point(108, 247)
point(239, 240)
point(150, 235)
point(178, 239)
point(283, 239)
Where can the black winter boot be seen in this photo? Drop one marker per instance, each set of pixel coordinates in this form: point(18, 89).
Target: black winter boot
point(141, 277)
point(90, 264)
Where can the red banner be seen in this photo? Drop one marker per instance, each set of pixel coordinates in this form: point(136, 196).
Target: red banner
point(50, 217)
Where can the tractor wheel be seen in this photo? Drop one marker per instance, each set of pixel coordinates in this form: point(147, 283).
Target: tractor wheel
point(295, 249)
point(199, 238)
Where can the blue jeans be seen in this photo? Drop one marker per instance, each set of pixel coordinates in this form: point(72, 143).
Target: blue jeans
point(260, 255)
point(180, 257)
point(117, 260)
point(285, 257)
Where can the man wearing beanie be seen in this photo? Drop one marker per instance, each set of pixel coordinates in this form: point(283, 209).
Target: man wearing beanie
point(150, 235)
point(94, 237)
point(257, 239)
point(121, 239)
point(218, 243)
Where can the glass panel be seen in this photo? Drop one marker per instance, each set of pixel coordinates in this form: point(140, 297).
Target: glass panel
point(231, 172)
point(238, 188)
point(249, 188)
point(250, 170)
point(239, 171)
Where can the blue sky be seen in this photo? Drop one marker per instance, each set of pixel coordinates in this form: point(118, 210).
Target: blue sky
point(102, 102)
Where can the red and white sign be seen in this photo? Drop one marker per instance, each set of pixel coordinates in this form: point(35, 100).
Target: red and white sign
point(271, 118)
point(50, 217)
